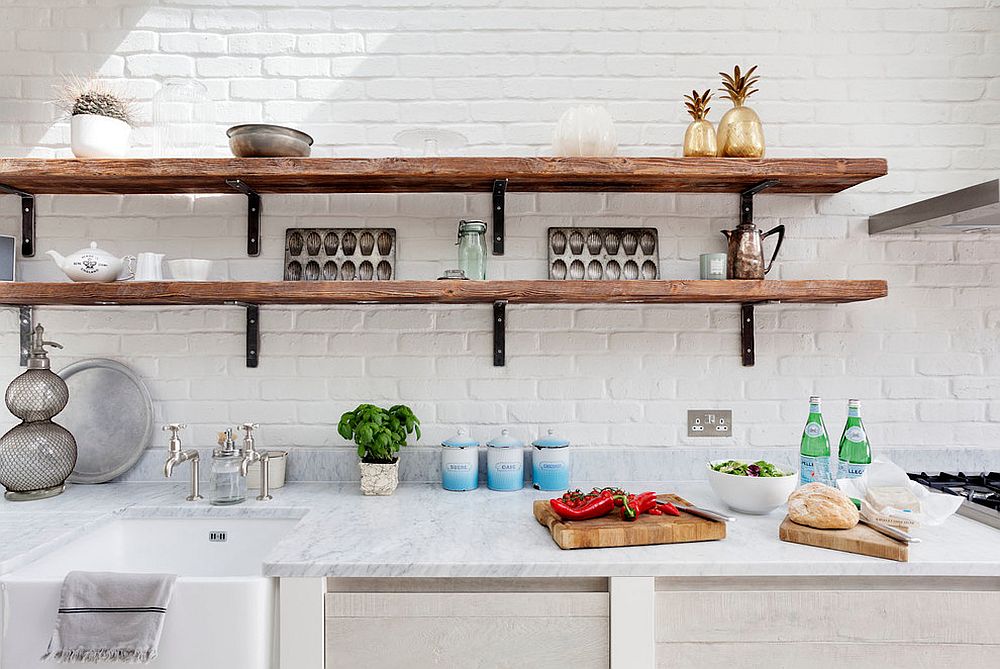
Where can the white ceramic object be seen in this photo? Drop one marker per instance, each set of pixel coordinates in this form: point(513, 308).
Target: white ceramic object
point(94, 265)
point(277, 472)
point(95, 136)
point(379, 479)
point(755, 495)
point(216, 581)
point(149, 267)
point(585, 131)
point(190, 269)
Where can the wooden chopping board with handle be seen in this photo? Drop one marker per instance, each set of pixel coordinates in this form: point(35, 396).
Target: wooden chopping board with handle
point(860, 539)
point(611, 530)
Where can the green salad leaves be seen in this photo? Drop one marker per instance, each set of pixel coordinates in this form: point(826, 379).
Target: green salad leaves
point(759, 468)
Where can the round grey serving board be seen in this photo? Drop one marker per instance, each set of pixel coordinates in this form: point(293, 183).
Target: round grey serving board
point(110, 414)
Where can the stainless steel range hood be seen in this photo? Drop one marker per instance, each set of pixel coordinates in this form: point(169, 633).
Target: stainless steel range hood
point(972, 209)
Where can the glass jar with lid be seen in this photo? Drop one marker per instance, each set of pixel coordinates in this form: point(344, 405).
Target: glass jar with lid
point(183, 120)
point(472, 249)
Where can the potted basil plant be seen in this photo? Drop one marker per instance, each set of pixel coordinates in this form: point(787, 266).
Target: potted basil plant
point(379, 434)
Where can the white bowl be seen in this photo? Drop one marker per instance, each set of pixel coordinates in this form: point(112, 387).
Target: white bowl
point(190, 269)
point(752, 494)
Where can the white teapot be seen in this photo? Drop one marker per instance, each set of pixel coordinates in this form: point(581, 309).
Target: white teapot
point(95, 265)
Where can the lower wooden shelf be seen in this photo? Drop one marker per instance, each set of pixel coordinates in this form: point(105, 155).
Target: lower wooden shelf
point(252, 294)
point(432, 292)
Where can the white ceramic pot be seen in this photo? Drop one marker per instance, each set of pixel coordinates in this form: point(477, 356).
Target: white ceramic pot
point(379, 479)
point(93, 136)
point(752, 494)
point(94, 265)
point(585, 131)
point(190, 269)
point(276, 478)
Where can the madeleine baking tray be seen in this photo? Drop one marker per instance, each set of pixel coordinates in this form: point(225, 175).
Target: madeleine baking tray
point(340, 254)
point(603, 254)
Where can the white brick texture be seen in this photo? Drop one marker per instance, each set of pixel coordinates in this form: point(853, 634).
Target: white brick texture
point(914, 81)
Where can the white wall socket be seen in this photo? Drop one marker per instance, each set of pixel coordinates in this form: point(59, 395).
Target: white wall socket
point(710, 422)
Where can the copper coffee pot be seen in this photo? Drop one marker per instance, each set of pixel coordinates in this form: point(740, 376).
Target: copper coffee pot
point(745, 257)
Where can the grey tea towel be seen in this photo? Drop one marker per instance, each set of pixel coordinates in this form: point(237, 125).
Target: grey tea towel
point(109, 617)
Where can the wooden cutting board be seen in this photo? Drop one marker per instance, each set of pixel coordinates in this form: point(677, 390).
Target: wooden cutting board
point(611, 530)
point(860, 539)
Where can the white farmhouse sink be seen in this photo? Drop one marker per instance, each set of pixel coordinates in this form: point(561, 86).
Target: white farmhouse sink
point(222, 612)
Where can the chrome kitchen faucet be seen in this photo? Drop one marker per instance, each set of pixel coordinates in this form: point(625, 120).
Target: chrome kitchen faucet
point(252, 455)
point(176, 456)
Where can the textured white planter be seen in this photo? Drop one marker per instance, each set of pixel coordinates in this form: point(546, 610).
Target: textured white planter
point(93, 136)
point(379, 479)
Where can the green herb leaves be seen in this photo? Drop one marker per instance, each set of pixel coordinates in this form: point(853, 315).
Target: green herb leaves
point(379, 433)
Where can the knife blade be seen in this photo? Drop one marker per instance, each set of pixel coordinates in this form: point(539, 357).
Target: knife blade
point(698, 511)
point(890, 531)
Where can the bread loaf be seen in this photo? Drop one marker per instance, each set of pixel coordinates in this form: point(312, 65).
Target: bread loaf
point(818, 505)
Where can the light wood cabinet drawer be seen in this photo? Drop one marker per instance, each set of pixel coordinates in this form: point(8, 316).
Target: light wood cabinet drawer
point(489, 630)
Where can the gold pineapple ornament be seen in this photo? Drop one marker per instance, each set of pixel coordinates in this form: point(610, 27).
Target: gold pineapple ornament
point(740, 133)
point(699, 138)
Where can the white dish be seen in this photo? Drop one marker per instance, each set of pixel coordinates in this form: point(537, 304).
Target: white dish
point(190, 269)
point(755, 495)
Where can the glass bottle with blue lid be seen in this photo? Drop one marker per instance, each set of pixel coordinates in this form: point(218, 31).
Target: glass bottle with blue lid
point(460, 462)
point(550, 462)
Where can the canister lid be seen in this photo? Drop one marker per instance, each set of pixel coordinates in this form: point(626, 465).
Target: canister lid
point(550, 440)
point(471, 226)
point(460, 440)
point(504, 441)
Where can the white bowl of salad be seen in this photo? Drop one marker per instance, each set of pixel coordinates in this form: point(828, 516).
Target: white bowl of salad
point(751, 486)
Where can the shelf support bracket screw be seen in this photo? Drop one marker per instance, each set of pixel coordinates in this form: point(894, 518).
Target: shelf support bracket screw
point(747, 347)
point(500, 333)
point(253, 215)
point(27, 219)
point(499, 205)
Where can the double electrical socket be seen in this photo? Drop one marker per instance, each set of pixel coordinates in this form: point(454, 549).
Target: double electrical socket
point(710, 422)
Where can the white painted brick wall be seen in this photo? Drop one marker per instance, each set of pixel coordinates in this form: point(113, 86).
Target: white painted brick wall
point(913, 81)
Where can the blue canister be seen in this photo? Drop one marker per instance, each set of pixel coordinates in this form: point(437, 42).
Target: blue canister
point(460, 462)
point(550, 462)
point(505, 463)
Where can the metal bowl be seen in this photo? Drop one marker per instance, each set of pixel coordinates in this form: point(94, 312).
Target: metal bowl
point(260, 140)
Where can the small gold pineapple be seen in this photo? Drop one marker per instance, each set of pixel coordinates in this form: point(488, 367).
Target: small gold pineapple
point(740, 133)
point(699, 138)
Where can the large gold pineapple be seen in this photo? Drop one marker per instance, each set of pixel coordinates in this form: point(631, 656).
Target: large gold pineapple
point(699, 138)
point(740, 133)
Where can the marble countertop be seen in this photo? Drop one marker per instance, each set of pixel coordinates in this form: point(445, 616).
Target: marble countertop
point(423, 530)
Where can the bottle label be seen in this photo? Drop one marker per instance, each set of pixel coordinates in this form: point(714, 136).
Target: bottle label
point(814, 470)
point(850, 470)
point(814, 429)
point(855, 434)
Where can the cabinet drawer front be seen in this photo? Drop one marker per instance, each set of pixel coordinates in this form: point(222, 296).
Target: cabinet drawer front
point(844, 616)
point(474, 630)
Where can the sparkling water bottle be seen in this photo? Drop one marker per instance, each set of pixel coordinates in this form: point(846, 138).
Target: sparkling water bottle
point(814, 451)
point(854, 454)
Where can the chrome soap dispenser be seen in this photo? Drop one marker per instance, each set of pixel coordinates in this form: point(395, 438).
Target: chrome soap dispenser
point(228, 484)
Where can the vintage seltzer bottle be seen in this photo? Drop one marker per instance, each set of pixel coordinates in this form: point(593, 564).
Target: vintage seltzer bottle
point(815, 448)
point(854, 454)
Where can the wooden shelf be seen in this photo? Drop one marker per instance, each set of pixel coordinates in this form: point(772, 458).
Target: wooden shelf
point(437, 292)
point(393, 175)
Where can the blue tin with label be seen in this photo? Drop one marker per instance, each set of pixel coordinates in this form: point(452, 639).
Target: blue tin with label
point(505, 463)
point(460, 463)
point(550, 462)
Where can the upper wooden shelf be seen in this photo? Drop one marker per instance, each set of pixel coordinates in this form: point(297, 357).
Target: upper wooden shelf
point(391, 175)
point(431, 292)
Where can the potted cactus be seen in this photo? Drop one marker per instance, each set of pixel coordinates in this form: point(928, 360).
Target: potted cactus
point(379, 434)
point(101, 120)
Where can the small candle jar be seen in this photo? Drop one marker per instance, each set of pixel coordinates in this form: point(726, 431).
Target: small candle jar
point(505, 463)
point(460, 463)
point(550, 462)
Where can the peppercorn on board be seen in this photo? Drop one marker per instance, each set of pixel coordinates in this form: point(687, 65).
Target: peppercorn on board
point(611, 531)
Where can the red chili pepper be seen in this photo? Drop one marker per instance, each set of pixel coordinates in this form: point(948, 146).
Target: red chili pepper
point(635, 505)
point(668, 509)
point(599, 506)
point(655, 512)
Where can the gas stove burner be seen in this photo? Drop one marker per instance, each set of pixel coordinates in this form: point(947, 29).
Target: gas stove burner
point(981, 490)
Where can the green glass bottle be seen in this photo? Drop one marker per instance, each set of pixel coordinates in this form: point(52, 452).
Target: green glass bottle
point(814, 452)
point(854, 454)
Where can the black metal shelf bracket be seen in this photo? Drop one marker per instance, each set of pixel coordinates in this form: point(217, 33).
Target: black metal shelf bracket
point(27, 219)
point(252, 331)
point(26, 326)
point(499, 207)
point(746, 199)
point(747, 346)
point(253, 215)
point(500, 333)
